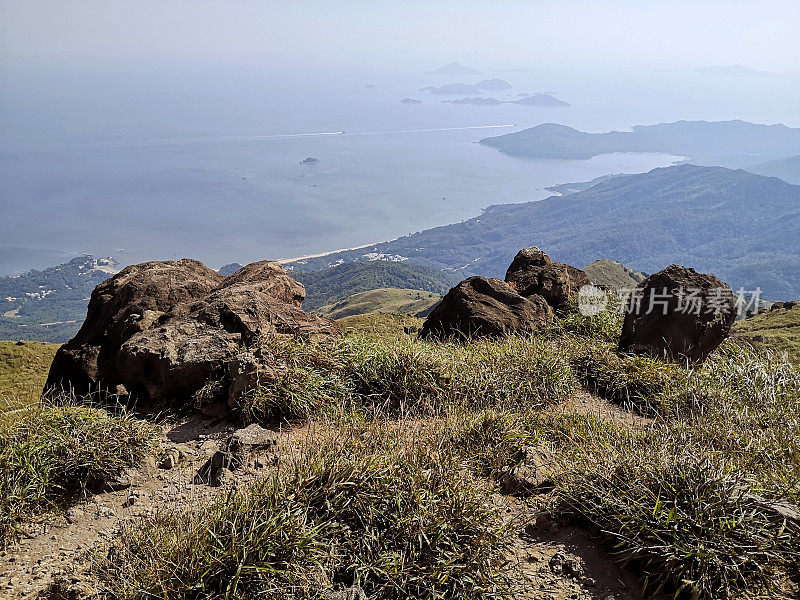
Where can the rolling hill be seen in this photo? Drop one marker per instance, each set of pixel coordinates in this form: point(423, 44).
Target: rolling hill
point(386, 300)
point(612, 274)
point(50, 305)
point(740, 226)
point(331, 285)
point(775, 329)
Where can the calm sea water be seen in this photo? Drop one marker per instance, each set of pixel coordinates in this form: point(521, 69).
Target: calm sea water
point(206, 163)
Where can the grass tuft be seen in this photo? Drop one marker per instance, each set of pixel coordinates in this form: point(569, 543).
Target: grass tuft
point(49, 455)
point(395, 517)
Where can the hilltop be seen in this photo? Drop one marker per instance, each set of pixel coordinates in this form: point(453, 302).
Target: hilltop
point(777, 329)
point(740, 226)
point(725, 143)
point(386, 300)
point(612, 274)
point(787, 169)
point(331, 285)
point(455, 68)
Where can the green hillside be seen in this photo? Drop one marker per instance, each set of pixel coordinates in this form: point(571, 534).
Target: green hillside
point(612, 274)
point(331, 285)
point(387, 300)
point(50, 305)
point(775, 329)
point(739, 226)
point(23, 370)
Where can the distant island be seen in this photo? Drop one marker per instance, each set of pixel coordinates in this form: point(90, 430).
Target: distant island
point(540, 100)
point(309, 161)
point(455, 68)
point(529, 100)
point(411, 101)
point(726, 143)
point(493, 85)
point(479, 101)
point(453, 89)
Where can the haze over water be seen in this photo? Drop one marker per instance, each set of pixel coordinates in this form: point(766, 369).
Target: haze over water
point(155, 160)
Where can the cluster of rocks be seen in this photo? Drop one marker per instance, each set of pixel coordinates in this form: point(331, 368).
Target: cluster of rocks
point(171, 331)
point(677, 313)
point(524, 302)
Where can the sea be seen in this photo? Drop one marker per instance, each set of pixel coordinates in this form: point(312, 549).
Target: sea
point(156, 161)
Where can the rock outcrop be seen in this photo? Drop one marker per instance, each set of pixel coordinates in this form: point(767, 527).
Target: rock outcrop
point(678, 314)
point(534, 273)
point(167, 331)
point(486, 307)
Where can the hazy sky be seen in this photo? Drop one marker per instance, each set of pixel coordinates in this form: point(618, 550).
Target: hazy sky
point(491, 33)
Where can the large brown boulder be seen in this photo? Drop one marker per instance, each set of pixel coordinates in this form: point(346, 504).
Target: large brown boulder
point(486, 307)
point(120, 307)
point(177, 348)
point(532, 272)
point(678, 314)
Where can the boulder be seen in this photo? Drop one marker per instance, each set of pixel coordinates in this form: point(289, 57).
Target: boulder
point(486, 307)
point(235, 452)
point(532, 272)
point(534, 471)
point(176, 345)
point(678, 314)
point(268, 277)
point(120, 307)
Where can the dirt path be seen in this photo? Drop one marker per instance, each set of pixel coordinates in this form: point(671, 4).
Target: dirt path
point(554, 561)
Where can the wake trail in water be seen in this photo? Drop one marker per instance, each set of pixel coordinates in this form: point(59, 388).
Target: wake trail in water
point(253, 138)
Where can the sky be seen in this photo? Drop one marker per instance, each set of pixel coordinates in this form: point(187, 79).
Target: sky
point(761, 34)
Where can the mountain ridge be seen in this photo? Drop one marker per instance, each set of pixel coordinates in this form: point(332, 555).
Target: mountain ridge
point(741, 226)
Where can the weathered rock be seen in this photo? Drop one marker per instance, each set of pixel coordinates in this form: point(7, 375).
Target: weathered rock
point(533, 273)
point(679, 314)
point(486, 307)
point(193, 345)
point(271, 278)
point(233, 453)
point(165, 331)
point(534, 472)
point(352, 593)
point(129, 302)
point(245, 372)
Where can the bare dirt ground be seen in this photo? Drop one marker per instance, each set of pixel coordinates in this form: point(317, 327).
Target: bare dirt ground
point(555, 561)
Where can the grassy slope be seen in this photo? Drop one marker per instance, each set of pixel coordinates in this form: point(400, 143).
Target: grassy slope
point(389, 300)
point(329, 286)
point(23, 370)
point(49, 454)
point(690, 497)
point(777, 330)
point(612, 274)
